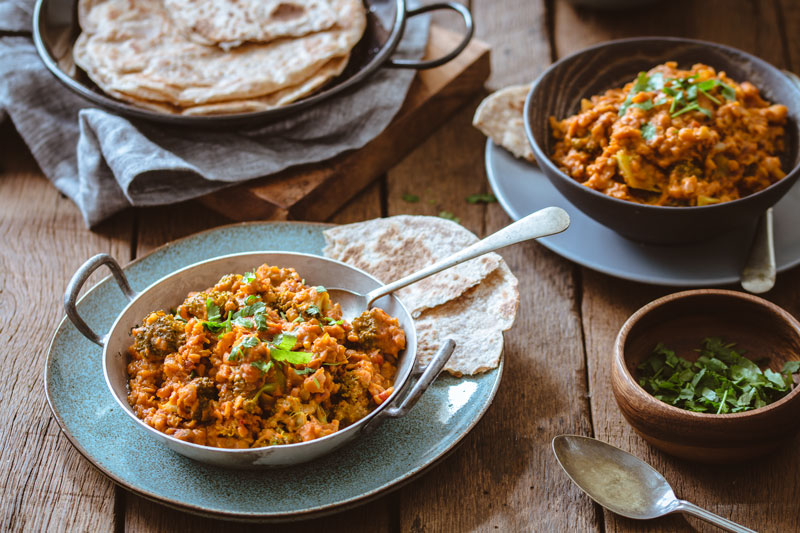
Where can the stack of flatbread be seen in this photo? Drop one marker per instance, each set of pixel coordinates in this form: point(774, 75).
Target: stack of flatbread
point(202, 57)
point(472, 303)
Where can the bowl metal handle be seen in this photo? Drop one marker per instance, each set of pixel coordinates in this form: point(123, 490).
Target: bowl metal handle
point(422, 384)
point(76, 283)
point(469, 29)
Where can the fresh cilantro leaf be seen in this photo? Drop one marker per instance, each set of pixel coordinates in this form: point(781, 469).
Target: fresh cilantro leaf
point(249, 277)
point(312, 310)
point(790, 367)
point(212, 310)
point(298, 319)
point(410, 198)
point(304, 371)
point(243, 322)
point(320, 289)
point(244, 343)
point(264, 366)
point(648, 131)
point(280, 350)
point(250, 299)
point(481, 198)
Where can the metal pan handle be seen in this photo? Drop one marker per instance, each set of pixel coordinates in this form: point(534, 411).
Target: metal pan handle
point(422, 384)
point(76, 283)
point(469, 30)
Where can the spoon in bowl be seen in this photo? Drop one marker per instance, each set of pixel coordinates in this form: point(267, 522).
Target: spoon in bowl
point(624, 484)
point(547, 221)
point(758, 275)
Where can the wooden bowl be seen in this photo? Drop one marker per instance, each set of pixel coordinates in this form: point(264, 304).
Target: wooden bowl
point(681, 321)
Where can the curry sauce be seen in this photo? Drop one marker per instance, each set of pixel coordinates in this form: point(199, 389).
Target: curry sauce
point(674, 138)
point(260, 359)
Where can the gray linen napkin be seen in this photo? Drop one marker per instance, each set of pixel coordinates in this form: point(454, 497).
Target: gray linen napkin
point(105, 162)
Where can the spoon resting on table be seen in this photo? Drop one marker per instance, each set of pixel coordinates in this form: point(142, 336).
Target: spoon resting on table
point(758, 275)
point(624, 484)
point(547, 221)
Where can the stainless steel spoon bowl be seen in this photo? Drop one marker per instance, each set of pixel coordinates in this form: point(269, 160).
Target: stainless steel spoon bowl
point(544, 222)
point(623, 483)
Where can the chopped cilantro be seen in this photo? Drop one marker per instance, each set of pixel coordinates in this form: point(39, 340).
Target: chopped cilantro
point(249, 277)
point(648, 131)
point(250, 299)
point(481, 198)
point(243, 322)
point(212, 310)
point(298, 319)
point(721, 381)
point(312, 310)
point(264, 366)
point(411, 198)
point(244, 343)
point(320, 289)
point(281, 350)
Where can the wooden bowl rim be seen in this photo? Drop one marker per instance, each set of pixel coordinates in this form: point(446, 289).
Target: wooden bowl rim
point(653, 404)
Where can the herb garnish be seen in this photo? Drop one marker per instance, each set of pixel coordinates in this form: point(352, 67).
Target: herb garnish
point(264, 366)
point(312, 310)
point(720, 381)
point(487, 198)
point(281, 350)
point(212, 310)
point(648, 131)
point(249, 277)
point(449, 216)
point(683, 92)
point(320, 289)
point(250, 341)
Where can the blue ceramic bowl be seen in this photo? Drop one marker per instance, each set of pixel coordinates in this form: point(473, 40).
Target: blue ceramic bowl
point(558, 92)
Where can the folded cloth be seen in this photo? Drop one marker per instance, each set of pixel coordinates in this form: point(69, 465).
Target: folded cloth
point(105, 162)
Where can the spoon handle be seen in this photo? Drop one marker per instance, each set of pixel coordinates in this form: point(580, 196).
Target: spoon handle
point(544, 222)
point(692, 509)
point(758, 274)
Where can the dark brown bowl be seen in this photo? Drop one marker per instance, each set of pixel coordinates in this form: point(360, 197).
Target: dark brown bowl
point(681, 321)
point(558, 93)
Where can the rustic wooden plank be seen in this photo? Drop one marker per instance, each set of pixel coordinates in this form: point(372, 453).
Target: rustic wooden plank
point(760, 494)
point(503, 476)
point(316, 191)
point(157, 226)
point(47, 485)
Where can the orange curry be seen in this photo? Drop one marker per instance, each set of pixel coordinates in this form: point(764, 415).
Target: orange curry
point(260, 359)
point(675, 138)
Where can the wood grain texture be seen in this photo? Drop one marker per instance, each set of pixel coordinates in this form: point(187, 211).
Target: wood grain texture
point(751, 496)
point(316, 191)
point(47, 485)
point(502, 477)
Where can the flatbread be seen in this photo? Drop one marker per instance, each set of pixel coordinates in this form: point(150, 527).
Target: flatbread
point(279, 98)
point(390, 248)
point(473, 314)
point(500, 117)
point(475, 320)
point(228, 23)
point(132, 47)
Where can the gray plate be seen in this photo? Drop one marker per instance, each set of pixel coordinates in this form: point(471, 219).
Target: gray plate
point(94, 423)
point(522, 188)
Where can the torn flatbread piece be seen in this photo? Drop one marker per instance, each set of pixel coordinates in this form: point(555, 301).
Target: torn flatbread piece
point(500, 117)
point(390, 248)
point(475, 320)
point(229, 23)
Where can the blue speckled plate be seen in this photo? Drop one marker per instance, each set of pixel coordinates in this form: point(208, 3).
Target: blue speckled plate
point(522, 188)
point(91, 419)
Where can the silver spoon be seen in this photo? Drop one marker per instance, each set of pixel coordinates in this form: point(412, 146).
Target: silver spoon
point(623, 483)
point(758, 274)
point(544, 222)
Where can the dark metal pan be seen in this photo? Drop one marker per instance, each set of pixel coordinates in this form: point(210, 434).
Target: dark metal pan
point(55, 28)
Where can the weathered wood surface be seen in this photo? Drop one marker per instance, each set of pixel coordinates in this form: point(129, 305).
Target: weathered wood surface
point(503, 476)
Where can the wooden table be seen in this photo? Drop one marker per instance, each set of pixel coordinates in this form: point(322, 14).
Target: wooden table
point(503, 477)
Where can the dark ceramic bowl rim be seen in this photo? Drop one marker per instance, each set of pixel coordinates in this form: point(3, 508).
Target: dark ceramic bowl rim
point(543, 159)
point(654, 404)
point(380, 59)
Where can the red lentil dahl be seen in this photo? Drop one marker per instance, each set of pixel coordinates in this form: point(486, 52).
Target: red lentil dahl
point(674, 138)
point(260, 360)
